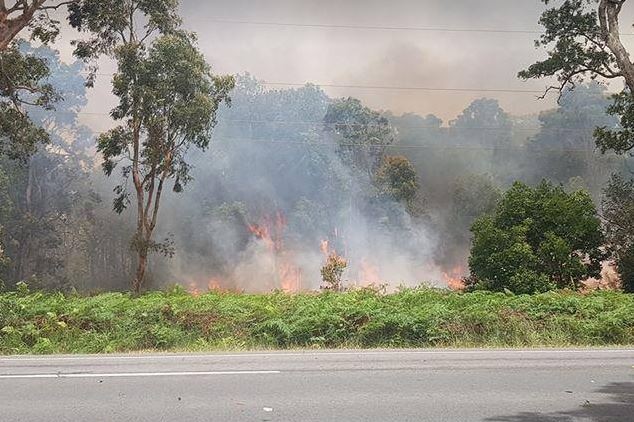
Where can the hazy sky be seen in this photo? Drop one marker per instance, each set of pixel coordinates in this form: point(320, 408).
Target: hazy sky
point(346, 56)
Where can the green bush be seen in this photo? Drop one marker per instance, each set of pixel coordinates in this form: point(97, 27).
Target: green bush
point(538, 239)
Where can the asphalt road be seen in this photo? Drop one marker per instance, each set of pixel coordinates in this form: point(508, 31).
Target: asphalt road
point(346, 386)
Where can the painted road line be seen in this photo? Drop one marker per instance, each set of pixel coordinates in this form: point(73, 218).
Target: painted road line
point(134, 374)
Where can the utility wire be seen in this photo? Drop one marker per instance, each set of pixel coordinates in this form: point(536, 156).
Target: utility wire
point(379, 28)
point(371, 125)
point(408, 88)
point(391, 87)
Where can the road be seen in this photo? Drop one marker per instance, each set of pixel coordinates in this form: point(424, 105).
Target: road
point(346, 386)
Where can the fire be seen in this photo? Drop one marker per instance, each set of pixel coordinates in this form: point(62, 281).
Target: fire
point(213, 284)
point(270, 231)
point(453, 278)
point(193, 289)
point(369, 273)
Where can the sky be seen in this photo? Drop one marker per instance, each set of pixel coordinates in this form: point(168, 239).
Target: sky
point(352, 56)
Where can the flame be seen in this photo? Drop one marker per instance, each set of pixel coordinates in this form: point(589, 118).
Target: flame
point(193, 289)
point(270, 231)
point(453, 277)
point(214, 284)
point(369, 273)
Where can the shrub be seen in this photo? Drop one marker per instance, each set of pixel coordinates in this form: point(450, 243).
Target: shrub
point(538, 239)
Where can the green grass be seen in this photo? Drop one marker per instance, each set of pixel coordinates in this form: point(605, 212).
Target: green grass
point(174, 320)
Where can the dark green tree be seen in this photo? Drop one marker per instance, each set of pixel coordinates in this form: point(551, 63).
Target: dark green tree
point(22, 84)
point(538, 238)
point(31, 16)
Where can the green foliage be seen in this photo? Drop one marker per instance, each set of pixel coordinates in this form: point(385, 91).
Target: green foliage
point(175, 320)
point(621, 140)
point(538, 239)
point(22, 83)
point(170, 93)
point(577, 46)
point(583, 43)
point(396, 178)
point(111, 23)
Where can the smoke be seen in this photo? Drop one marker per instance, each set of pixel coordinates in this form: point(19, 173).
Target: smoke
point(272, 188)
point(273, 166)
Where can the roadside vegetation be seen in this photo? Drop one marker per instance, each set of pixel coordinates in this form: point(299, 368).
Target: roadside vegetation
point(40, 323)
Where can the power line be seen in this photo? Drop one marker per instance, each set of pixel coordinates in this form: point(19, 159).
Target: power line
point(390, 87)
point(409, 88)
point(379, 28)
point(370, 125)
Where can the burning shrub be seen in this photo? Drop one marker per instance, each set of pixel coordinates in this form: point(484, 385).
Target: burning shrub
point(332, 272)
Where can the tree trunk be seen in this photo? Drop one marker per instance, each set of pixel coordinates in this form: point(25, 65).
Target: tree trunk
point(609, 11)
point(10, 28)
point(140, 272)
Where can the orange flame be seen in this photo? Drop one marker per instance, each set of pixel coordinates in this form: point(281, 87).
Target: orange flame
point(193, 289)
point(369, 273)
point(270, 231)
point(453, 278)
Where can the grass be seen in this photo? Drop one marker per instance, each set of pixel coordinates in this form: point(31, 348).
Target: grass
point(44, 323)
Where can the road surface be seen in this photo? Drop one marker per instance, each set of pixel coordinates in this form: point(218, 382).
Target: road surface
point(343, 386)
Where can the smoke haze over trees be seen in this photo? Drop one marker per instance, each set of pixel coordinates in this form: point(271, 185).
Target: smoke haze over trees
point(390, 177)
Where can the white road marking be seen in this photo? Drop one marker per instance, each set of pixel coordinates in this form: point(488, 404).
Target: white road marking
point(304, 354)
point(134, 374)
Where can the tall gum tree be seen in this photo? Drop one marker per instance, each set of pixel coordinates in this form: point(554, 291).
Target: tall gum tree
point(17, 15)
point(168, 99)
point(583, 39)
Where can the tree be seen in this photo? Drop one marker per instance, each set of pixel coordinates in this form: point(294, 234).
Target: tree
point(584, 41)
point(537, 239)
point(565, 147)
point(618, 213)
point(49, 189)
point(168, 99)
point(32, 15)
point(115, 23)
point(22, 77)
point(396, 179)
point(361, 133)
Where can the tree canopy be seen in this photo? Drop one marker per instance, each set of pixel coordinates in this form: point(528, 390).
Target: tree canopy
point(583, 40)
point(538, 238)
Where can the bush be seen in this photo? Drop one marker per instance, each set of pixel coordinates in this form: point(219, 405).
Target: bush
point(538, 239)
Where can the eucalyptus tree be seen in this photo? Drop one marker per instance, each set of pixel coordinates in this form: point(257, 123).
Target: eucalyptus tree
point(32, 15)
point(583, 39)
point(168, 99)
point(23, 77)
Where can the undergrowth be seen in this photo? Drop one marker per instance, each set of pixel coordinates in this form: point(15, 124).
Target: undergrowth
point(44, 323)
